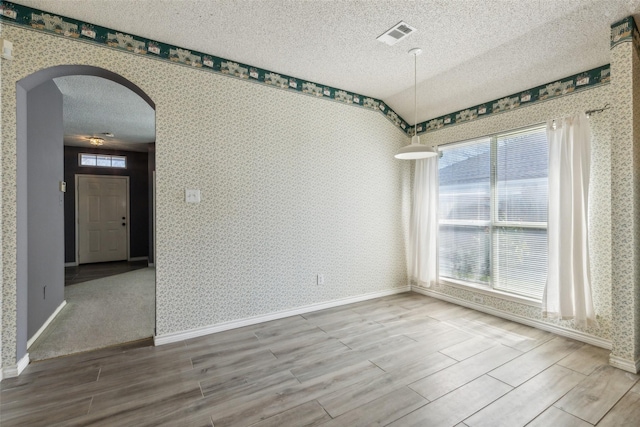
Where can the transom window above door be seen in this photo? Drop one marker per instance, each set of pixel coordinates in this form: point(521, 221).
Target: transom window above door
point(102, 160)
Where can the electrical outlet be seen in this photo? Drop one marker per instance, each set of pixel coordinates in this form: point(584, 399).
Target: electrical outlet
point(191, 196)
point(320, 279)
point(478, 299)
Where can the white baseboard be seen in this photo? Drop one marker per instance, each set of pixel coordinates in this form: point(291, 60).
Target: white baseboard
point(624, 364)
point(558, 330)
point(71, 264)
point(194, 333)
point(138, 258)
point(14, 371)
point(152, 264)
point(45, 324)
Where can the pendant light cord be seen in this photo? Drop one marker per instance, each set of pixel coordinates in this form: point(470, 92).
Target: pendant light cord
point(415, 94)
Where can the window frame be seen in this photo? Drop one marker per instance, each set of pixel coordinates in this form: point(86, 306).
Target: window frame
point(493, 223)
point(110, 156)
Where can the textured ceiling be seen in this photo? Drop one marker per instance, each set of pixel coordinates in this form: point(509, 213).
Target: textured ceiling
point(474, 50)
point(93, 106)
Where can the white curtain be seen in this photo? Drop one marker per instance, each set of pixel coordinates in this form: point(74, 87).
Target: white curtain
point(423, 229)
point(568, 291)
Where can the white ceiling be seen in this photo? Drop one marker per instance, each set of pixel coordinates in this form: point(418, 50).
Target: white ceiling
point(93, 106)
point(474, 50)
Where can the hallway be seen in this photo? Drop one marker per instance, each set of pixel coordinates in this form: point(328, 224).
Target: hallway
point(100, 313)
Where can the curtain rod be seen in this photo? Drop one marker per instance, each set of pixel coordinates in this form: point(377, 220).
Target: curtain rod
point(597, 110)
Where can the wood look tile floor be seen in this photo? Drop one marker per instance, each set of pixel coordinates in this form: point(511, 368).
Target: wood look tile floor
point(402, 360)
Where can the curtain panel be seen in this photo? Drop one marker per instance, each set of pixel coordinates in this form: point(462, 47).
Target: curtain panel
point(423, 228)
point(568, 290)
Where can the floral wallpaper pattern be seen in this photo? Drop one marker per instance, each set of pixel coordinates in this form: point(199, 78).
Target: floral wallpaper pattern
point(286, 194)
point(625, 157)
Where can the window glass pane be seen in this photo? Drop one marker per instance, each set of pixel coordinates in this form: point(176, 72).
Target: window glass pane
point(87, 160)
point(476, 242)
point(103, 160)
point(521, 177)
point(465, 182)
point(118, 162)
point(464, 253)
point(464, 211)
point(520, 260)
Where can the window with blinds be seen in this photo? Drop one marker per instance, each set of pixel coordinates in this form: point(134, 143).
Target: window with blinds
point(493, 212)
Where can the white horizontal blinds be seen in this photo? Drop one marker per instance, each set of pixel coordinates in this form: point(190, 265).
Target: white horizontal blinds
point(520, 260)
point(520, 213)
point(465, 211)
point(522, 168)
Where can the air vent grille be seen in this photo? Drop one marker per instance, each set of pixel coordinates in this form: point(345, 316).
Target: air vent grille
point(396, 33)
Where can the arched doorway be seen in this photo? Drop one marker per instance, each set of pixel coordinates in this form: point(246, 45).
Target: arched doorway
point(41, 197)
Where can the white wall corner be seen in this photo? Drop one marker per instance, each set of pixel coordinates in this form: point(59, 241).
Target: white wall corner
point(15, 370)
point(234, 324)
point(556, 329)
point(45, 324)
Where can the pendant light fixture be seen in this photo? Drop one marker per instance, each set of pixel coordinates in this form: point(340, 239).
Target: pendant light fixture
point(415, 150)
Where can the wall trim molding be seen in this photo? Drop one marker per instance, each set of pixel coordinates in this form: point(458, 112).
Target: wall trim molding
point(558, 330)
point(71, 264)
point(234, 324)
point(38, 20)
point(552, 90)
point(15, 370)
point(44, 326)
point(625, 364)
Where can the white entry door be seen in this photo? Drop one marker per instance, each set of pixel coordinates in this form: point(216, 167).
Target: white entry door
point(103, 218)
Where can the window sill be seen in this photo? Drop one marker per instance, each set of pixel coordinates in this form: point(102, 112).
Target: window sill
point(491, 292)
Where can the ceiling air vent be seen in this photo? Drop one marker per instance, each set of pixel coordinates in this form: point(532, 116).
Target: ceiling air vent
point(396, 33)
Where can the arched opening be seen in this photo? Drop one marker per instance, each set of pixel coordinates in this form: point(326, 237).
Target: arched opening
point(58, 110)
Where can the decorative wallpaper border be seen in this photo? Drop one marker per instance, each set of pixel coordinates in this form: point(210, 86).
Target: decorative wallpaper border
point(39, 20)
point(62, 26)
point(566, 86)
point(623, 31)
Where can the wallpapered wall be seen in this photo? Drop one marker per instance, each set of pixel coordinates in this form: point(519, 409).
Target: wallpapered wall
point(2, 310)
point(291, 186)
point(600, 195)
point(625, 201)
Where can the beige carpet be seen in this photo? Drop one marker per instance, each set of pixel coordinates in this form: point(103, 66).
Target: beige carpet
point(100, 313)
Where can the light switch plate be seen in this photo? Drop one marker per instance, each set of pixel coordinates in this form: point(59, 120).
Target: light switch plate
point(192, 196)
point(7, 49)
